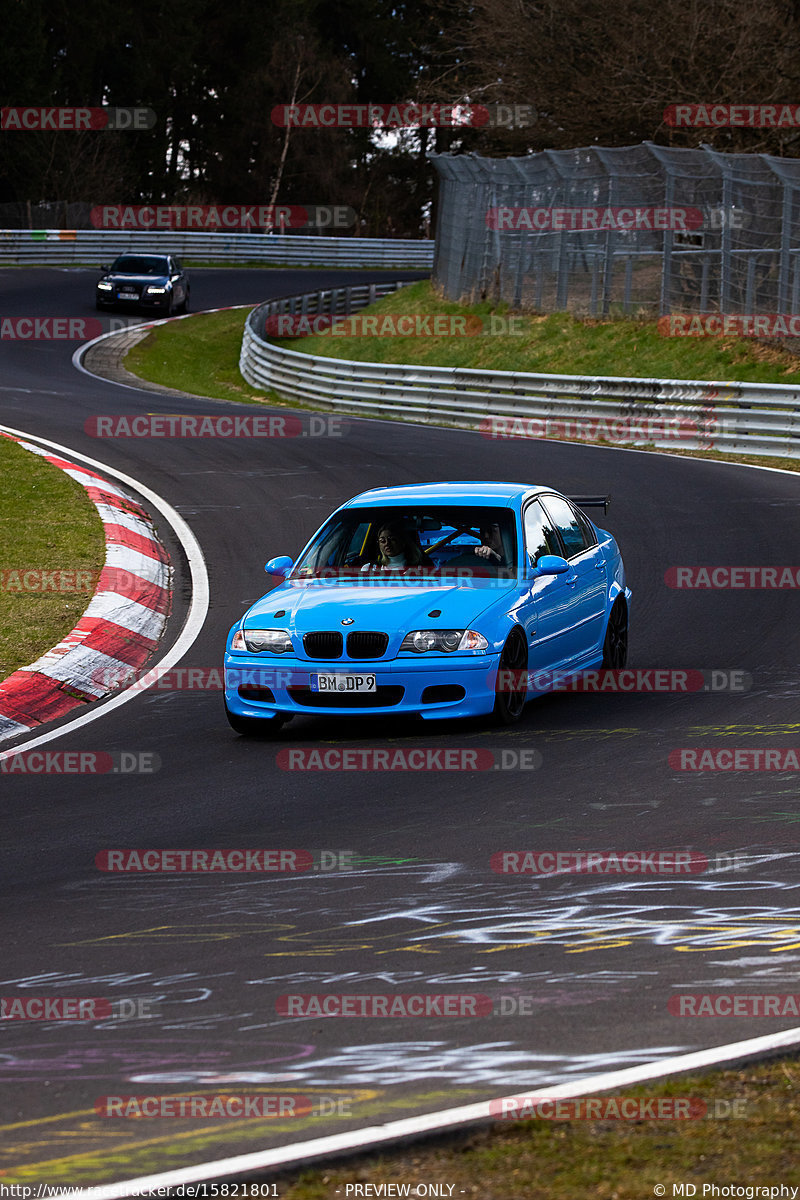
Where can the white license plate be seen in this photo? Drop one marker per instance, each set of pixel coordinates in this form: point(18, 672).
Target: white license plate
point(128, 296)
point(343, 683)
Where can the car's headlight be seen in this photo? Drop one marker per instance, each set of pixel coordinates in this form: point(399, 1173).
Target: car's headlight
point(445, 641)
point(155, 291)
point(271, 641)
point(105, 287)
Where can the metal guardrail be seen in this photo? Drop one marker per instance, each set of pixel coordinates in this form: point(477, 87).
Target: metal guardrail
point(742, 418)
point(44, 247)
point(348, 298)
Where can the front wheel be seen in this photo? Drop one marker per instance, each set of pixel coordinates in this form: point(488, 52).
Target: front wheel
point(615, 646)
point(509, 701)
point(255, 726)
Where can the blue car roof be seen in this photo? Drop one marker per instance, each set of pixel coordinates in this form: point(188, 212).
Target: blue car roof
point(469, 492)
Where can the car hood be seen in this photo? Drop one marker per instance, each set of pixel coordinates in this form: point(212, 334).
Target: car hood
point(391, 607)
point(139, 280)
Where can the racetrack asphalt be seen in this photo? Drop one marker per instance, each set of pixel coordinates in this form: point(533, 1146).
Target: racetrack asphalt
point(600, 956)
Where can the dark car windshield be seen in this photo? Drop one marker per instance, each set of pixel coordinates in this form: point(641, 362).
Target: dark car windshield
point(364, 543)
point(140, 264)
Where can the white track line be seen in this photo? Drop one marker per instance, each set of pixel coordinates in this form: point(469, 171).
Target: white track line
point(366, 1140)
point(198, 606)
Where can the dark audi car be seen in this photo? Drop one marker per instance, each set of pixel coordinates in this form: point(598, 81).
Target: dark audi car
point(156, 282)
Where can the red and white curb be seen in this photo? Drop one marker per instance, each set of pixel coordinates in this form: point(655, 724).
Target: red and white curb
point(119, 630)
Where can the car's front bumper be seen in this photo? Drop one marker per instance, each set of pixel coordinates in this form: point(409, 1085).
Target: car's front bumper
point(140, 304)
point(406, 686)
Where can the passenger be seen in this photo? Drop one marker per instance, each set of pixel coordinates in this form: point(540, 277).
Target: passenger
point(491, 546)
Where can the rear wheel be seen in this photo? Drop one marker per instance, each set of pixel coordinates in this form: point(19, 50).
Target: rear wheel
point(615, 646)
point(255, 726)
point(508, 704)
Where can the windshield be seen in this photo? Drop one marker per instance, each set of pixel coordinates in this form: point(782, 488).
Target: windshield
point(140, 264)
point(364, 543)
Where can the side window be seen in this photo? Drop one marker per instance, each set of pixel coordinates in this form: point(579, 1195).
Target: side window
point(574, 532)
point(540, 536)
point(586, 526)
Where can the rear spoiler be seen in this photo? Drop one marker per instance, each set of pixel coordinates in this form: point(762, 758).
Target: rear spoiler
point(591, 501)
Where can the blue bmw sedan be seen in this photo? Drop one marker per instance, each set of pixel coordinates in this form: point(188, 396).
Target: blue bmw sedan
point(439, 600)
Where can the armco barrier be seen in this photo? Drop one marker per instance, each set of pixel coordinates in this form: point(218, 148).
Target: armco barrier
point(739, 418)
point(45, 247)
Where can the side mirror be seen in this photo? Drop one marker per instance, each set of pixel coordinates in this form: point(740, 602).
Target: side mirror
point(551, 564)
point(105, 268)
point(279, 566)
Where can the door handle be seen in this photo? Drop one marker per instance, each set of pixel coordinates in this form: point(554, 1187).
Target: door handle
point(600, 565)
point(570, 582)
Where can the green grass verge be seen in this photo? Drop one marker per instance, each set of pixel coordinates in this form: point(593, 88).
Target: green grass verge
point(201, 355)
point(623, 1159)
point(558, 344)
point(47, 522)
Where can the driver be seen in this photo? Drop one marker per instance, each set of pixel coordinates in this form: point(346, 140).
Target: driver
point(397, 550)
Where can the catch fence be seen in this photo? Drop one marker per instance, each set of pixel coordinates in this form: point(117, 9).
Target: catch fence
point(637, 230)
